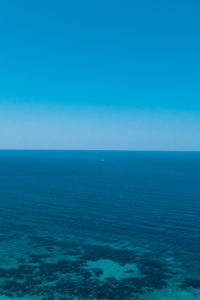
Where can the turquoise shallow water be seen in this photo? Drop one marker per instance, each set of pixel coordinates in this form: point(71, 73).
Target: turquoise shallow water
point(99, 225)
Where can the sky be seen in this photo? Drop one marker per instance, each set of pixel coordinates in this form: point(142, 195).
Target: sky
point(109, 74)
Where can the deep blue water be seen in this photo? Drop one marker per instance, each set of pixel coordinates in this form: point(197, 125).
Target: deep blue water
point(99, 225)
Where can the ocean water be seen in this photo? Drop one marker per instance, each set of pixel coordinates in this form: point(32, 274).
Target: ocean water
point(99, 225)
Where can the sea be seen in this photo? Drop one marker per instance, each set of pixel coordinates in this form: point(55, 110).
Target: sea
point(108, 225)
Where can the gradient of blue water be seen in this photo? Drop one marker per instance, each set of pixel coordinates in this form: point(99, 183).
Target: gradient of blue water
point(149, 197)
point(157, 193)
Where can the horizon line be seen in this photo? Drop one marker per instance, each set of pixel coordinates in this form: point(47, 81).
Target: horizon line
point(116, 150)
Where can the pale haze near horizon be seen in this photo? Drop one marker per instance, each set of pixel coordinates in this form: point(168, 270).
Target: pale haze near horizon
point(102, 129)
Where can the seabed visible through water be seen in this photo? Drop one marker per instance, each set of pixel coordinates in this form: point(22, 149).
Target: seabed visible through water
point(37, 266)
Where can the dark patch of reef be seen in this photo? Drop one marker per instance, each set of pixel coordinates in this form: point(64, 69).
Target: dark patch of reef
point(190, 283)
point(65, 279)
point(122, 257)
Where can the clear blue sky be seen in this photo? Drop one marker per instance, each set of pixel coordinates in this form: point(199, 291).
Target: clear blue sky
point(100, 74)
